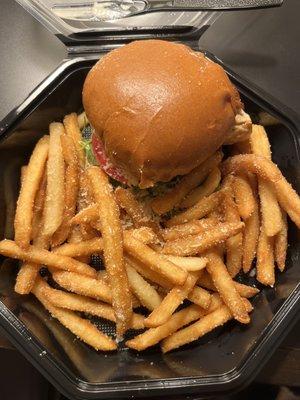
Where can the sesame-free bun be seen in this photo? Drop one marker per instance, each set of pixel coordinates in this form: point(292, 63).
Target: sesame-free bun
point(160, 108)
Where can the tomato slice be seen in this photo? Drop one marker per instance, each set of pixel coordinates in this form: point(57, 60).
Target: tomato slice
point(104, 162)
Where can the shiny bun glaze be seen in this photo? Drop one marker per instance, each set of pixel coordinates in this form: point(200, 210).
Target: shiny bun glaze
point(160, 108)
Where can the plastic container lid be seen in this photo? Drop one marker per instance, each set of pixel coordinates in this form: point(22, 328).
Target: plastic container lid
point(76, 21)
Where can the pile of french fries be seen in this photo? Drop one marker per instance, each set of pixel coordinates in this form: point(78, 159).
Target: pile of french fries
point(178, 273)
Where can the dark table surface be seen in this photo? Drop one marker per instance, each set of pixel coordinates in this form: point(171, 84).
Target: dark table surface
point(262, 46)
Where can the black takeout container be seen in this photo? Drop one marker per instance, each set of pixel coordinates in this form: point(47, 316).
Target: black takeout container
point(223, 361)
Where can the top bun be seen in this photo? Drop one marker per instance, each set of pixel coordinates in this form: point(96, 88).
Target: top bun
point(160, 108)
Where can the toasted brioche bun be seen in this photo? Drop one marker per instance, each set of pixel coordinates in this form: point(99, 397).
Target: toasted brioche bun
point(160, 108)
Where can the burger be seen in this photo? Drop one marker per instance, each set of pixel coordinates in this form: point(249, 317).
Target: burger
point(158, 110)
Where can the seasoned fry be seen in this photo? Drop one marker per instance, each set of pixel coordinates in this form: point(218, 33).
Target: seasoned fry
point(146, 293)
point(188, 263)
point(210, 184)
point(144, 234)
point(82, 328)
point(198, 329)
point(24, 210)
point(154, 335)
point(55, 196)
point(270, 210)
point(72, 128)
point(265, 260)
point(196, 244)
point(35, 255)
point(153, 260)
point(243, 290)
point(86, 215)
point(171, 302)
point(179, 319)
point(200, 296)
point(266, 169)
point(147, 273)
point(251, 231)
point(243, 196)
point(28, 272)
point(281, 244)
point(83, 285)
point(76, 302)
point(84, 248)
point(136, 210)
point(199, 210)
point(189, 228)
point(226, 288)
point(168, 201)
point(38, 209)
point(71, 189)
point(234, 249)
point(112, 247)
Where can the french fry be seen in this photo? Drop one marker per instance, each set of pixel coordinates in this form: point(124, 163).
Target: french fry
point(200, 296)
point(199, 210)
point(146, 293)
point(83, 285)
point(171, 302)
point(84, 304)
point(234, 249)
point(243, 196)
point(136, 211)
point(179, 319)
point(72, 128)
point(281, 244)
point(198, 329)
point(147, 273)
point(84, 248)
point(154, 335)
point(168, 201)
point(189, 228)
point(270, 210)
point(196, 244)
point(28, 271)
point(243, 290)
point(71, 189)
point(266, 169)
point(55, 196)
point(251, 231)
point(82, 328)
point(153, 260)
point(226, 288)
point(188, 263)
point(112, 247)
point(85, 198)
point(143, 234)
point(35, 255)
point(86, 215)
point(38, 208)
point(25, 203)
point(210, 184)
point(271, 217)
point(265, 268)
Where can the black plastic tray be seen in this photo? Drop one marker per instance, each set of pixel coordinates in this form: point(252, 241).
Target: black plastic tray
point(223, 361)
